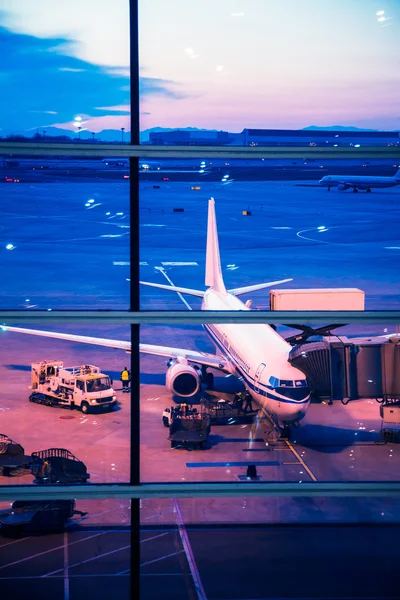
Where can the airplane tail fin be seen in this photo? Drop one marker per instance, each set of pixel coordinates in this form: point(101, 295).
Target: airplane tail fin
point(397, 176)
point(214, 277)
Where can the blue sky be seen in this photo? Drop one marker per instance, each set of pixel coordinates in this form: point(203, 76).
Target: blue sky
point(224, 64)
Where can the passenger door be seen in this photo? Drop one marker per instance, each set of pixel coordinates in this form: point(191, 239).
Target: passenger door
point(257, 376)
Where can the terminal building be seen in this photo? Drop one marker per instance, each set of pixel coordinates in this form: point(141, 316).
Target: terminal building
point(275, 137)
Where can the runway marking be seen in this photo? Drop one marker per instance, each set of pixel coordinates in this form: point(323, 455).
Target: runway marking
point(66, 574)
point(312, 239)
point(155, 537)
point(82, 562)
point(281, 228)
point(180, 264)
point(14, 542)
point(121, 263)
point(150, 562)
point(392, 247)
point(157, 514)
point(303, 464)
point(17, 562)
point(189, 553)
point(162, 270)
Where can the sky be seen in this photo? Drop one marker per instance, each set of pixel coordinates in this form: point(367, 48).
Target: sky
point(225, 64)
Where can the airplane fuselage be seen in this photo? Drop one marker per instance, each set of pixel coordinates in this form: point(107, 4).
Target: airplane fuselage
point(259, 357)
point(359, 182)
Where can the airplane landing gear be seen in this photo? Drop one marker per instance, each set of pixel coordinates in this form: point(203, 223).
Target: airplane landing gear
point(329, 189)
point(208, 378)
point(355, 190)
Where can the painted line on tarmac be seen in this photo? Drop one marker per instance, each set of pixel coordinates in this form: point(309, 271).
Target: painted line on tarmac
point(82, 562)
point(272, 463)
point(66, 574)
point(155, 537)
point(17, 562)
point(157, 515)
point(303, 464)
point(180, 264)
point(162, 270)
point(150, 562)
point(303, 237)
point(189, 553)
point(14, 542)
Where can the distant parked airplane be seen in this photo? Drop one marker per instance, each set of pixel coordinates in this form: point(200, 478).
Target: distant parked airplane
point(356, 182)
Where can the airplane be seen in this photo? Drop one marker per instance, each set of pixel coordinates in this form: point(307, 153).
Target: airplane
point(116, 162)
point(345, 182)
point(255, 353)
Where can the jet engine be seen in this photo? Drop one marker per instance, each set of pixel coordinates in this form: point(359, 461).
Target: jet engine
point(342, 187)
point(183, 379)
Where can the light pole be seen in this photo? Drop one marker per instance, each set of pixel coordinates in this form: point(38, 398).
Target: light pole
point(122, 133)
point(79, 131)
point(92, 135)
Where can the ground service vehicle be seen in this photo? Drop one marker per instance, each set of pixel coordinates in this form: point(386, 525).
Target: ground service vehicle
point(37, 515)
point(83, 387)
point(58, 466)
point(188, 427)
point(12, 456)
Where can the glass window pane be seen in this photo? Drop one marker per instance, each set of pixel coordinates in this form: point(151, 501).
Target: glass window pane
point(209, 411)
point(245, 548)
point(65, 411)
point(266, 66)
point(65, 233)
point(65, 549)
point(66, 74)
point(302, 224)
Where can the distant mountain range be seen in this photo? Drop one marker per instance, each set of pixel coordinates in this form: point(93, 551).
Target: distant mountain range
point(337, 128)
point(115, 135)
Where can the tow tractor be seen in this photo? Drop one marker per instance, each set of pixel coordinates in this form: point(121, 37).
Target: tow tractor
point(187, 426)
point(83, 387)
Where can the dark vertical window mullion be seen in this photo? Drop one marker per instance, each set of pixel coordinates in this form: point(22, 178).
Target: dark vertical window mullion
point(134, 299)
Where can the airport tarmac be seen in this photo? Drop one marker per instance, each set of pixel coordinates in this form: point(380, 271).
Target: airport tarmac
point(69, 252)
point(203, 563)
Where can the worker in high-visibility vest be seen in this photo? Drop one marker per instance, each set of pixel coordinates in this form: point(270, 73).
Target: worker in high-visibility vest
point(126, 379)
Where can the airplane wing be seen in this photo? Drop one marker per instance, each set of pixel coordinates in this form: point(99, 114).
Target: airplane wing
point(117, 344)
point(202, 358)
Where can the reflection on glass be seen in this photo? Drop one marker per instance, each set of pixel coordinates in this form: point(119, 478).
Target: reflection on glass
point(64, 420)
point(242, 532)
point(64, 548)
point(65, 234)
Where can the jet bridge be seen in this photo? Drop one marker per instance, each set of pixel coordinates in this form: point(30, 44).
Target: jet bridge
point(342, 368)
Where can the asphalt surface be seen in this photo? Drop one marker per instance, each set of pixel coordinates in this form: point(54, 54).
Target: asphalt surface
point(225, 563)
point(69, 252)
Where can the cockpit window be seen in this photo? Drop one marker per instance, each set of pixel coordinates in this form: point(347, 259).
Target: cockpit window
point(300, 383)
point(274, 382)
point(286, 383)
